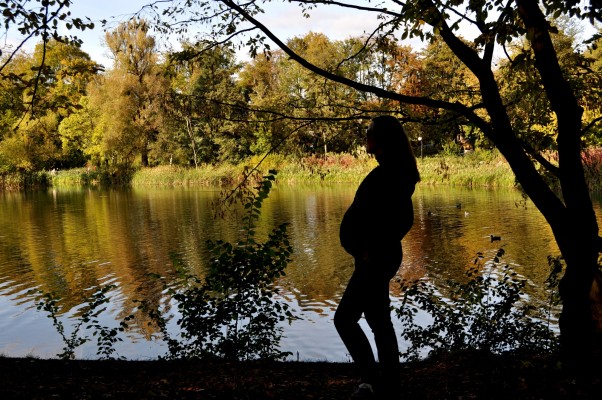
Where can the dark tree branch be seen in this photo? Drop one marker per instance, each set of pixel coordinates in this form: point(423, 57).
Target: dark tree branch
point(270, 151)
point(365, 45)
point(43, 62)
point(357, 7)
point(213, 45)
point(478, 24)
point(466, 54)
point(457, 107)
point(564, 104)
point(540, 159)
point(590, 125)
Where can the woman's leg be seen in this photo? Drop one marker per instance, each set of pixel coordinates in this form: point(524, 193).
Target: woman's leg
point(378, 316)
point(346, 320)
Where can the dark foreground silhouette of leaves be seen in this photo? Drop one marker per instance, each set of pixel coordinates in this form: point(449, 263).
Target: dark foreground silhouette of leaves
point(465, 375)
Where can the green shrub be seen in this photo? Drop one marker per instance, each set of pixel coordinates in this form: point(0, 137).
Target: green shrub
point(232, 313)
point(485, 313)
point(104, 176)
point(106, 337)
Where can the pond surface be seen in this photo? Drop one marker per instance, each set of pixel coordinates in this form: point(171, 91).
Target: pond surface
point(67, 241)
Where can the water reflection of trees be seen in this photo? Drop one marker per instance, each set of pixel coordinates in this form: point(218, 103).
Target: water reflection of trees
point(67, 241)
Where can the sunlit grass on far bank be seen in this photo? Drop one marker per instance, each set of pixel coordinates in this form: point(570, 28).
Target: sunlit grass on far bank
point(475, 169)
point(485, 168)
point(481, 168)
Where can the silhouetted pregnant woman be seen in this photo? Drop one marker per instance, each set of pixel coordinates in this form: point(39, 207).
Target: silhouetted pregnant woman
point(371, 231)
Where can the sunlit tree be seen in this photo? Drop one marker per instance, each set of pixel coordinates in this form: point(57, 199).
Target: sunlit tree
point(40, 90)
point(128, 98)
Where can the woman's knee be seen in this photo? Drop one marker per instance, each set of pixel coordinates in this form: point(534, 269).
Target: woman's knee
point(379, 322)
point(343, 320)
point(339, 320)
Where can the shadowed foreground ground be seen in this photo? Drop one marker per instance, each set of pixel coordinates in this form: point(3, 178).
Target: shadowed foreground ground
point(468, 375)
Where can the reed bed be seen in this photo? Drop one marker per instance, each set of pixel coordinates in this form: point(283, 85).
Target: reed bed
point(70, 177)
point(326, 169)
point(592, 164)
point(24, 180)
point(205, 175)
point(477, 169)
point(332, 168)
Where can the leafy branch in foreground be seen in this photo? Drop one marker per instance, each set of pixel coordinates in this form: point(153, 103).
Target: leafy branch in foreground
point(488, 312)
point(106, 337)
point(232, 313)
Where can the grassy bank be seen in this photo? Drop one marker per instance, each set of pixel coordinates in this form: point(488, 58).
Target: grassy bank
point(20, 181)
point(483, 168)
point(477, 169)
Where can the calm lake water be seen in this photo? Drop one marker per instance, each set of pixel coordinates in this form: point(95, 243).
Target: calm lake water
point(67, 241)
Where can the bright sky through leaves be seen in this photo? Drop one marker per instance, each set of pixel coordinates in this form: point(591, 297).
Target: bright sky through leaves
point(285, 20)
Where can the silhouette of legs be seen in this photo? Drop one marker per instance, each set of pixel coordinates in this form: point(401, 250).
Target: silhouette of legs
point(368, 293)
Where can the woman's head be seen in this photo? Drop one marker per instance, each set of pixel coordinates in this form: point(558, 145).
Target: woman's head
point(387, 140)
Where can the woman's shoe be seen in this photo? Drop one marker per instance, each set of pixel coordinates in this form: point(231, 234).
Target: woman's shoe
point(363, 391)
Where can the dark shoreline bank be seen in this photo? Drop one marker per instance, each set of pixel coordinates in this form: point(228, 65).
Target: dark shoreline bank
point(463, 375)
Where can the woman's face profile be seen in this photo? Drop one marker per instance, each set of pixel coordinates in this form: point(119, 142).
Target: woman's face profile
point(371, 144)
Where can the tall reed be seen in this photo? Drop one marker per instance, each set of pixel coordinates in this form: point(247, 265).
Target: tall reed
point(484, 168)
point(592, 164)
point(24, 180)
point(206, 175)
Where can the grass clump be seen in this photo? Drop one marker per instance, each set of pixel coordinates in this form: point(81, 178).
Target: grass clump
point(484, 168)
point(171, 175)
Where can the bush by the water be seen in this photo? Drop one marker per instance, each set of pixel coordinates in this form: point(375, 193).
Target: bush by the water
point(232, 312)
point(487, 312)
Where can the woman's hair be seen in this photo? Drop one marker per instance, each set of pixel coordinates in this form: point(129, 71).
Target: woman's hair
point(389, 134)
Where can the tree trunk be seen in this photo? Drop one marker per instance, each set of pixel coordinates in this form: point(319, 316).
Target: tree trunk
point(192, 141)
point(577, 326)
point(575, 228)
point(571, 217)
point(144, 154)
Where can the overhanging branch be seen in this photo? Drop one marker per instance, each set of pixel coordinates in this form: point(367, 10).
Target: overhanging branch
point(428, 102)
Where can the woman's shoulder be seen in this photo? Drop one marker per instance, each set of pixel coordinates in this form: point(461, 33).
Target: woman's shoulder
point(386, 182)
